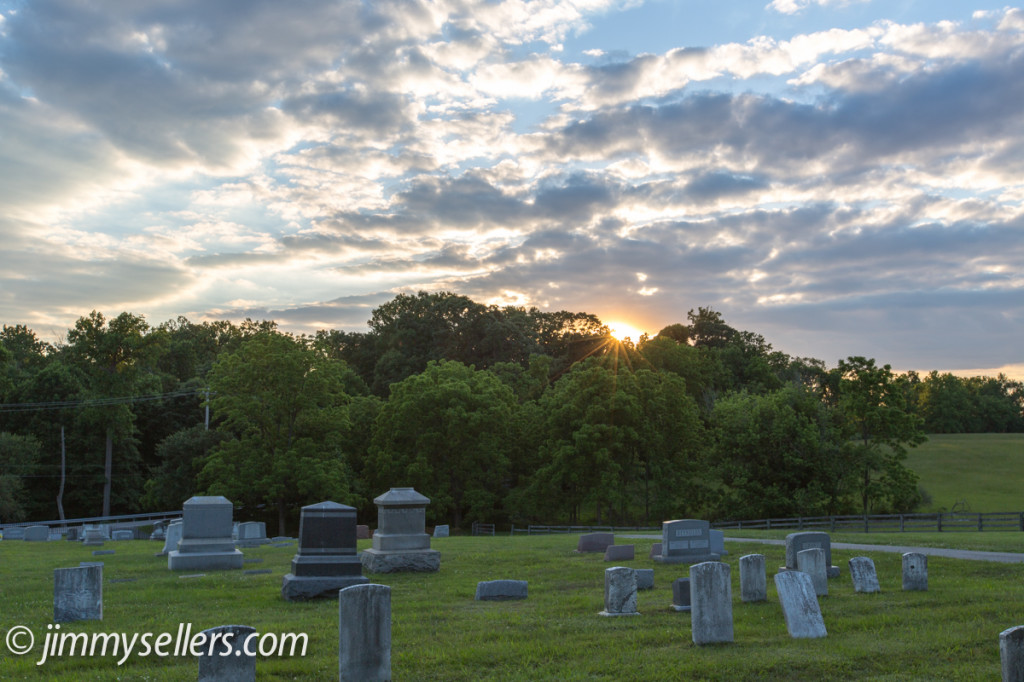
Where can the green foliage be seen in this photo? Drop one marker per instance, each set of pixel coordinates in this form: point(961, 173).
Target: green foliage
point(181, 456)
point(284, 409)
point(447, 433)
point(19, 456)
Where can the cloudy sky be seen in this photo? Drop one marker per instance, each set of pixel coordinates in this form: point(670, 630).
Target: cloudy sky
point(843, 177)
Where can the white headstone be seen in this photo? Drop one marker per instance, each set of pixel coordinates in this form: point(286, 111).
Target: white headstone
point(364, 633)
point(711, 603)
point(172, 536)
point(812, 562)
point(77, 594)
point(915, 572)
point(753, 578)
point(619, 592)
point(865, 579)
point(799, 605)
point(441, 531)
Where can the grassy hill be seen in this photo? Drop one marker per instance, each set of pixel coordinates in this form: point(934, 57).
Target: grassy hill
point(984, 471)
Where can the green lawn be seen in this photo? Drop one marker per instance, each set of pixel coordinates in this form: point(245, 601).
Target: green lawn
point(440, 633)
point(985, 471)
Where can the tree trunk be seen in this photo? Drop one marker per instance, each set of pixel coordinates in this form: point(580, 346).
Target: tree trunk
point(108, 465)
point(60, 492)
point(280, 517)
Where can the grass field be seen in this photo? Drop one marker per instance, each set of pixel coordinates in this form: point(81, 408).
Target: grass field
point(440, 633)
point(983, 471)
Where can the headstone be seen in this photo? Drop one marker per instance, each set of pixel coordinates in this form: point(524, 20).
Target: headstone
point(74, 534)
point(172, 537)
point(101, 552)
point(159, 531)
point(619, 553)
point(37, 533)
point(364, 633)
point(812, 562)
point(252, 534)
point(644, 578)
point(93, 536)
point(717, 542)
point(441, 531)
point(619, 592)
point(501, 590)
point(327, 560)
point(206, 542)
point(77, 594)
point(799, 605)
point(224, 657)
point(362, 532)
point(595, 542)
point(123, 535)
point(753, 578)
point(681, 594)
point(686, 541)
point(234, 530)
point(1011, 654)
point(710, 603)
point(14, 533)
point(401, 542)
point(655, 550)
point(797, 542)
point(915, 572)
point(865, 579)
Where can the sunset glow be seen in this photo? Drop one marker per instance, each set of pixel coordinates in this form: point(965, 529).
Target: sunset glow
point(622, 331)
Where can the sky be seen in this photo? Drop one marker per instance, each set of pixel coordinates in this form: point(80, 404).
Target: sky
point(843, 177)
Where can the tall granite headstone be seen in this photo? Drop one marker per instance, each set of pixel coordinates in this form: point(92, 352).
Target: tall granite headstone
point(400, 542)
point(172, 536)
point(915, 572)
point(226, 656)
point(206, 543)
point(711, 603)
point(619, 592)
point(753, 578)
point(799, 605)
point(812, 562)
point(862, 571)
point(327, 559)
point(364, 633)
point(686, 541)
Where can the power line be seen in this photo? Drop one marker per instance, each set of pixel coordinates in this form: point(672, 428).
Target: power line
point(96, 402)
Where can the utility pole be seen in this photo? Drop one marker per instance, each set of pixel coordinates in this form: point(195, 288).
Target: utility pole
point(206, 392)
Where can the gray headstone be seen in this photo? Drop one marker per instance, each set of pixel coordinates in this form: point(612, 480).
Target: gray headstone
point(710, 603)
point(753, 578)
point(401, 542)
point(327, 560)
point(93, 536)
point(172, 537)
point(686, 541)
point(101, 552)
point(74, 534)
point(619, 553)
point(206, 542)
point(812, 562)
point(364, 633)
point(644, 578)
point(865, 579)
point(441, 531)
point(799, 605)
point(14, 533)
point(77, 594)
point(595, 542)
point(655, 550)
point(681, 594)
point(362, 532)
point(619, 592)
point(37, 533)
point(717, 542)
point(1011, 654)
point(915, 572)
point(501, 590)
point(797, 542)
point(251, 534)
point(224, 658)
point(122, 535)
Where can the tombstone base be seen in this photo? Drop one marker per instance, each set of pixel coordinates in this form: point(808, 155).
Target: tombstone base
point(831, 572)
point(252, 542)
point(682, 608)
point(303, 588)
point(692, 559)
point(210, 561)
point(422, 561)
point(613, 615)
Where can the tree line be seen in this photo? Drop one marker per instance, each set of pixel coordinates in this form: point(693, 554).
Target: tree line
point(500, 414)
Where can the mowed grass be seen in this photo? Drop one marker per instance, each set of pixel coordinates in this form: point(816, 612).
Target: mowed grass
point(440, 633)
point(982, 470)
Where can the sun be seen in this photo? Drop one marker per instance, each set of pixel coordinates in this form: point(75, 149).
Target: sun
point(620, 331)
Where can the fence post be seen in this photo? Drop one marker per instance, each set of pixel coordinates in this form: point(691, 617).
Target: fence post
point(901, 523)
point(831, 524)
point(938, 518)
point(867, 528)
point(768, 524)
point(980, 524)
point(1022, 522)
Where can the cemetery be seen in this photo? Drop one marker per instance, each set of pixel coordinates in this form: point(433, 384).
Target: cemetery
point(443, 626)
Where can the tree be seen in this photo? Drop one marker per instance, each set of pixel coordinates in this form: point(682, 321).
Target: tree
point(20, 455)
point(284, 410)
point(446, 431)
point(181, 456)
point(872, 401)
